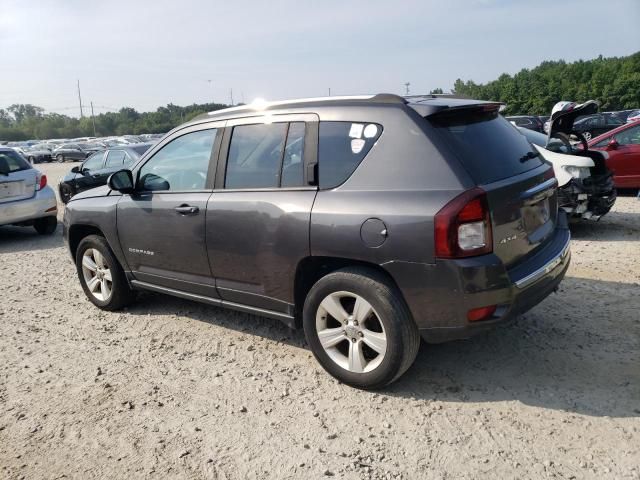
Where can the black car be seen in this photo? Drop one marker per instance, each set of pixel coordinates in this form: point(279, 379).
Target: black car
point(527, 121)
point(38, 153)
point(367, 221)
point(591, 126)
point(96, 169)
point(69, 151)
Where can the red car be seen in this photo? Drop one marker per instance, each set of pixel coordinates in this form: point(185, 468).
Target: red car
point(623, 147)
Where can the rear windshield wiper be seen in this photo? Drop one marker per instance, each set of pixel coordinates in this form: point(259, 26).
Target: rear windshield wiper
point(529, 156)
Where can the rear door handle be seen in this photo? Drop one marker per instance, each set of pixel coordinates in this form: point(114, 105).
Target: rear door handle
point(187, 210)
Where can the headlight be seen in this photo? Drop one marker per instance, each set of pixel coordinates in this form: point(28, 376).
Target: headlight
point(577, 172)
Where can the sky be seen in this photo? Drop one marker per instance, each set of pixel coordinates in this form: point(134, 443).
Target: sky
point(145, 54)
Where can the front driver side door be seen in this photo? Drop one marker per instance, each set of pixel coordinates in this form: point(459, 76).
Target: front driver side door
point(161, 226)
point(89, 172)
point(624, 161)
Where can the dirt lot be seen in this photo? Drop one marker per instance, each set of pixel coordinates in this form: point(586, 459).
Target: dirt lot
point(176, 389)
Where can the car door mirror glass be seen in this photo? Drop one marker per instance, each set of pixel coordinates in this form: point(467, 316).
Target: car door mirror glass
point(152, 182)
point(122, 181)
point(75, 169)
point(613, 143)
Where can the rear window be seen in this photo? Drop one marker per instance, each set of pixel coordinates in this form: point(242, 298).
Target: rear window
point(486, 144)
point(13, 161)
point(341, 148)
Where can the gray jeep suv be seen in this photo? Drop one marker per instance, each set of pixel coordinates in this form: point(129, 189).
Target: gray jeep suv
point(368, 221)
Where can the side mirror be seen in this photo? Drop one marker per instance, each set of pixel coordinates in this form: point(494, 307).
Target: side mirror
point(121, 181)
point(613, 144)
point(75, 169)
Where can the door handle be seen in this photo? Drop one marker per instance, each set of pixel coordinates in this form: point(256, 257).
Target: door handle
point(187, 210)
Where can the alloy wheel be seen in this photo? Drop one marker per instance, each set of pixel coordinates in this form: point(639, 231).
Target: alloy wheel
point(97, 274)
point(350, 332)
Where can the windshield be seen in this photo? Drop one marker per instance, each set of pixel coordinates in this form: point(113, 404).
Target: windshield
point(140, 149)
point(486, 144)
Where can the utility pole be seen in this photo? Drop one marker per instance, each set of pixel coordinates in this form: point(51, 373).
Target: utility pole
point(231, 95)
point(93, 119)
point(80, 100)
point(211, 91)
point(406, 86)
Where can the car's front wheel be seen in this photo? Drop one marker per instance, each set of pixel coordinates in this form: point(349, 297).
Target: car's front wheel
point(66, 192)
point(60, 158)
point(587, 135)
point(359, 328)
point(101, 276)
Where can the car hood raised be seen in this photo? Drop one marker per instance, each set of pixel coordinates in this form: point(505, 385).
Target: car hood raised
point(562, 122)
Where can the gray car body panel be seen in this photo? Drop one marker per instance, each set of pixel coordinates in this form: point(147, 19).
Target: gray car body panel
point(382, 215)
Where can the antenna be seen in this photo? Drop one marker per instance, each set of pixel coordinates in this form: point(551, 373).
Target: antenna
point(406, 86)
point(80, 100)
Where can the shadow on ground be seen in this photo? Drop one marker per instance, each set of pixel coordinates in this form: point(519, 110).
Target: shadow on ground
point(24, 239)
point(569, 353)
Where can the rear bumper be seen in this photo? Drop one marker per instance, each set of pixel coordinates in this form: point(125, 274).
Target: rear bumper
point(441, 295)
point(42, 204)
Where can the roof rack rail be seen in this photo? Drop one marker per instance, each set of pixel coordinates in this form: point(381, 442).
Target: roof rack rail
point(437, 95)
point(388, 98)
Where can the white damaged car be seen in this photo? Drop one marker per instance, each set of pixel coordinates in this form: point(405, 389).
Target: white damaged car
point(585, 184)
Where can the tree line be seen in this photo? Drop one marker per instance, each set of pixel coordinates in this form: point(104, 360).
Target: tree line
point(614, 82)
point(26, 121)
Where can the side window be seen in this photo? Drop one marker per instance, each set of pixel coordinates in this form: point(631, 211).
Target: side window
point(115, 158)
point(630, 136)
point(255, 156)
point(292, 162)
point(181, 164)
point(94, 162)
point(341, 148)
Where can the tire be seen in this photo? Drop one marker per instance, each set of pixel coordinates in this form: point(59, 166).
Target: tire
point(587, 136)
point(32, 160)
point(60, 158)
point(388, 318)
point(117, 293)
point(46, 225)
point(66, 192)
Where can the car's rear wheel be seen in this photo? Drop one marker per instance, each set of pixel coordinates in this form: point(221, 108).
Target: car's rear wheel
point(359, 328)
point(60, 158)
point(101, 276)
point(46, 225)
point(587, 135)
point(32, 160)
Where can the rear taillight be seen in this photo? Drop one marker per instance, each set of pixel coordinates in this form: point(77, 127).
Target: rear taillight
point(463, 226)
point(550, 173)
point(43, 182)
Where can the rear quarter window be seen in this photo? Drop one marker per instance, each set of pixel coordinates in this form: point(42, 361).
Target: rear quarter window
point(341, 148)
point(486, 144)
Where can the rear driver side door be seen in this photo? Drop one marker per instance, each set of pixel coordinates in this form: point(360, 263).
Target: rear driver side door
point(161, 226)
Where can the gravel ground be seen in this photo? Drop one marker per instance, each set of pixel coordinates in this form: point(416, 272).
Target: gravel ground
point(170, 388)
